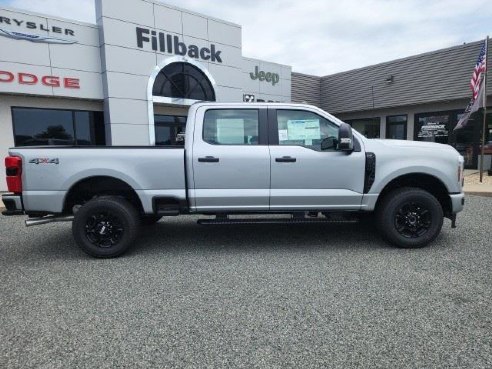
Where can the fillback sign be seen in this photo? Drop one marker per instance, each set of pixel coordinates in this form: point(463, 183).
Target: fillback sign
point(159, 41)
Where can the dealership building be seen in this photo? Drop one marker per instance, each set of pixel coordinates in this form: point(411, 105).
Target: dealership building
point(129, 79)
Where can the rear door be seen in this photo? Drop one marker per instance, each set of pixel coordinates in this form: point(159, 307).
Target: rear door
point(305, 176)
point(231, 159)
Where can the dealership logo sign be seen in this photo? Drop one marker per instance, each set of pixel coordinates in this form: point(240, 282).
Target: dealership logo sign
point(162, 42)
point(35, 38)
point(270, 77)
point(249, 98)
point(18, 35)
point(33, 79)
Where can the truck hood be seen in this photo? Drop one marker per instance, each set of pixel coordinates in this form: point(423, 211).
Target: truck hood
point(402, 144)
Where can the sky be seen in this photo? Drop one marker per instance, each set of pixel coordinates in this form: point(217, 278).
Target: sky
point(322, 37)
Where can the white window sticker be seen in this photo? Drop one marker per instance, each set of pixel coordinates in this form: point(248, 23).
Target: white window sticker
point(308, 129)
point(283, 135)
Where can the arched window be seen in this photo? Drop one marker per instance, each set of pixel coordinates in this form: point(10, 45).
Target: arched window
point(185, 81)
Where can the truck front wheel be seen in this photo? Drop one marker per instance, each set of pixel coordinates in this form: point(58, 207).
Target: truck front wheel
point(105, 227)
point(409, 217)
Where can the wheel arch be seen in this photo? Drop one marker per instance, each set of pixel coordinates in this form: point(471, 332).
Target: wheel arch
point(424, 181)
point(100, 185)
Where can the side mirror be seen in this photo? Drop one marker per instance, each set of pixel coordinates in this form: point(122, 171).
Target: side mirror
point(329, 143)
point(345, 138)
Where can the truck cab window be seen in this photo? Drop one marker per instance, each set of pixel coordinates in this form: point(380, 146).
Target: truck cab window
point(304, 128)
point(231, 127)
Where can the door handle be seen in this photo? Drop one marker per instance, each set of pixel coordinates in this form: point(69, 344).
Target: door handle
point(208, 159)
point(286, 159)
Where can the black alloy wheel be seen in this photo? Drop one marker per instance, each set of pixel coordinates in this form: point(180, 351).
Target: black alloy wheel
point(409, 217)
point(106, 226)
point(104, 229)
point(412, 220)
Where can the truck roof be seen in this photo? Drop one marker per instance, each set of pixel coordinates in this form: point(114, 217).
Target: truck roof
point(214, 103)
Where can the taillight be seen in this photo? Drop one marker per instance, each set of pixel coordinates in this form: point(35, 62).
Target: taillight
point(13, 171)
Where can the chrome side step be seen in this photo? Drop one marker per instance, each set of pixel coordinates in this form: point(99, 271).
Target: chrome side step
point(48, 219)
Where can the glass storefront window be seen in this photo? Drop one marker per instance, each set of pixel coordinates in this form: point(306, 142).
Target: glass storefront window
point(396, 127)
point(183, 80)
point(439, 127)
point(434, 128)
point(369, 127)
point(33, 126)
point(169, 130)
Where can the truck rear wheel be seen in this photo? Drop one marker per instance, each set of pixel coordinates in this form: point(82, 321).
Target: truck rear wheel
point(409, 217)
point(105, 227)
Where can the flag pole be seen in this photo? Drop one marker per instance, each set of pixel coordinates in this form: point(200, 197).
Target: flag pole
point(484, 125)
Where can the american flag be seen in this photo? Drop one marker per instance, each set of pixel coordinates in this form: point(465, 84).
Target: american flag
point(477, 87)
point(479, 69)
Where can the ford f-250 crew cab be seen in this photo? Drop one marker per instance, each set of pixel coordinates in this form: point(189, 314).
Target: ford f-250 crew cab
point(240, 159)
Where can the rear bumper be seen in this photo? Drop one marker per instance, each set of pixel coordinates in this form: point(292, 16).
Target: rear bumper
point(13, 204)
point(457, 202)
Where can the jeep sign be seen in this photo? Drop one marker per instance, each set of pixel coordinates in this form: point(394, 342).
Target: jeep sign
point(273, 78)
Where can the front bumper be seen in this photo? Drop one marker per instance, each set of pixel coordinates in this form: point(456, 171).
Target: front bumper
point(457, 202)
point(13, 204)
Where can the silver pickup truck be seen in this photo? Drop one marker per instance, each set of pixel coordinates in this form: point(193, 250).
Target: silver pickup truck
point(238, 160)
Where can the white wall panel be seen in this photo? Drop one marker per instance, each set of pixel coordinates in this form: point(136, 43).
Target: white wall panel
point(120, 59)
point(128, 111)
point(168, 19)
point(76, 56)
point(140, 12)
point(22, 51)
point(226, 76)
point(127, 86)
point(120, 33)
point(195, 26)
point(224, 33)
point(129, 134)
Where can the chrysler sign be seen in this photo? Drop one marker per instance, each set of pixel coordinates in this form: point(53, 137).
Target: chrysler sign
point(35, 38)
point(51, 35)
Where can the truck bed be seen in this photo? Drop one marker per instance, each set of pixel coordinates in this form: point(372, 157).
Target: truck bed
point(50, 172)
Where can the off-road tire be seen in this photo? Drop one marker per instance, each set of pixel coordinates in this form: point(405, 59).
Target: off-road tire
point(105, 227)
point(401, 212)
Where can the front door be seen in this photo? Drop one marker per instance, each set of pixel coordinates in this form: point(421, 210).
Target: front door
point(306, 174)
point(231, 160)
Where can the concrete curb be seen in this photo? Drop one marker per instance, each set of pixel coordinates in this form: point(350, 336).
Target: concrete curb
point(478, 193)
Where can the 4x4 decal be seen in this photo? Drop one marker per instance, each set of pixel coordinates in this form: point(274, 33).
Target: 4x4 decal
point(44, 161)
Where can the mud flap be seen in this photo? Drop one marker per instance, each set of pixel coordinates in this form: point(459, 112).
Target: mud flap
point(453, 221)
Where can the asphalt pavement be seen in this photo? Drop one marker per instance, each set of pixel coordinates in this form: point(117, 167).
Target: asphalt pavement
point(264, 296)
